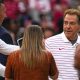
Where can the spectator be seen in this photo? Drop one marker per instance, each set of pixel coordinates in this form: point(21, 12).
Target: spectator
point(12, 27)
point(48, 32)
point(12, 9)
point(4, 35)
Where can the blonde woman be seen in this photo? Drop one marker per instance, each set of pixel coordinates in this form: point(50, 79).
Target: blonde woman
point(32, 61)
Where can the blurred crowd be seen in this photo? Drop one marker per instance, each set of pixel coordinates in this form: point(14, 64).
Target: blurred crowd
point(46, 13)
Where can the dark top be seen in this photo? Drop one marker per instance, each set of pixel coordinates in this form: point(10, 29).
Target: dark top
point(4, 35)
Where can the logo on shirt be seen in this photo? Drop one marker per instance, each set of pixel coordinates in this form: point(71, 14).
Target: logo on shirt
point(61, 48)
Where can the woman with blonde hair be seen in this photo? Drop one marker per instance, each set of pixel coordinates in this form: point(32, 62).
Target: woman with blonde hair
point(32, 61)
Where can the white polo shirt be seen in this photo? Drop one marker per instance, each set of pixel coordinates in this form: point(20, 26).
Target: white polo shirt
point(63, 52)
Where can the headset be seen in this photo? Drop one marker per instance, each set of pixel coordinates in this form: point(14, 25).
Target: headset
point(19, 42)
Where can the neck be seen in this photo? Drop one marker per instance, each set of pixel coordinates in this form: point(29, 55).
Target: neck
point(73, 38)
point(73, 41)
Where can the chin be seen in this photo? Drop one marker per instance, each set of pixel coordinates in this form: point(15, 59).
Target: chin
point(68, 35)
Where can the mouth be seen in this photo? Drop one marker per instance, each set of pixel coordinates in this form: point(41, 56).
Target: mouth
point(68, 31)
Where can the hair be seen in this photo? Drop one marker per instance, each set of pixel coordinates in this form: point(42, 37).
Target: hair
point(50, 29)
point(1, 1)
point(1, 4)
point(73, 12)
point(7, 23)
point(33, 48)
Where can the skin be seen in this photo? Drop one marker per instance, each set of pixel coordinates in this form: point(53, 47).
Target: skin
point(48, 34)
point(2, 13)
point(71, 26)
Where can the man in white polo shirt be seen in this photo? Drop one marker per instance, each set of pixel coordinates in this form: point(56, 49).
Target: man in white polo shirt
point(6, 49)
point(63, 45)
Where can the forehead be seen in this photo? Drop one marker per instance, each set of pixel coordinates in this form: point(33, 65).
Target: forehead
point(69, 17)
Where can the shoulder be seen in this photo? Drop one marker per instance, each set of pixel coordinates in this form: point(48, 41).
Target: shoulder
point(49, 54)
point(53, 39)
point(14, 54)
point(2, 31)
point(13, 57)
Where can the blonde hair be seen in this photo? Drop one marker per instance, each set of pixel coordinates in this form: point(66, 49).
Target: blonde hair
point(33, 46)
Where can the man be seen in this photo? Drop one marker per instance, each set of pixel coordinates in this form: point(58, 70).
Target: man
point(63, 45)
point(6, 49)
point(4, 35)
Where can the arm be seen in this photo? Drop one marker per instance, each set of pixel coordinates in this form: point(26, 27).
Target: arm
point(2, 70)
point(53, 72)
point(9, 71)
point(7, 48)
point(54, 77)
point(7, 38)
point(53, 68)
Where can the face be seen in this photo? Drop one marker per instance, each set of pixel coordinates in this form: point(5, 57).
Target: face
point(2, 13)
point(71, 26)
point(48, 34)
point(14, 27)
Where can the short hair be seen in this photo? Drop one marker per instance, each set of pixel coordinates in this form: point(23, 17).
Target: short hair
point(73, 12)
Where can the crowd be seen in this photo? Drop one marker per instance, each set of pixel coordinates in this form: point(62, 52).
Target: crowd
point(39, 37)
point(46, 13)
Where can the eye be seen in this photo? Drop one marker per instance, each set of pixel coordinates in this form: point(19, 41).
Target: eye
point(65, 22)
point(72, 23)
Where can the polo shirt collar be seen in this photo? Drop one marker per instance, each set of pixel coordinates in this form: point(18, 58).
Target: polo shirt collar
point(66, 40)
point(64, 37)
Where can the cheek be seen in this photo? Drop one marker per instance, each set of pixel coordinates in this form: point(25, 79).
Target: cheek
point(64, 27)
point(2, 15)
point(79, 30)
point(76, 29)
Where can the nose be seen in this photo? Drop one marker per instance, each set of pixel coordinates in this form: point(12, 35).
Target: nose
point(68, 25)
